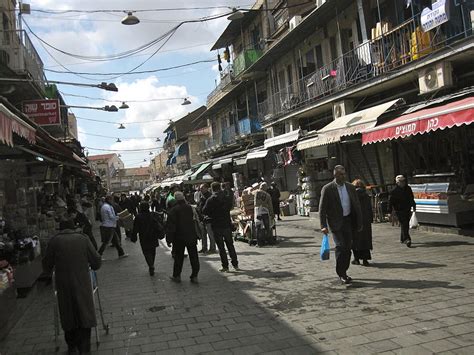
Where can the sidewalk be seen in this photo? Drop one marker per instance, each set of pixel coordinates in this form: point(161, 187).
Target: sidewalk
point(285, 301)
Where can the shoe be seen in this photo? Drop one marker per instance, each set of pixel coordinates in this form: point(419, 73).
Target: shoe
point(151, 271)
point(355, 262)
point(211, 252)
point(175, 279)
point(346, 280)
point(236, 268)
point(123, 256)
point(103, 259)
point(408, 242)
point(194, 280)
point(202, 251)
point(224, 269)
point(366, 263)
point(279, 219)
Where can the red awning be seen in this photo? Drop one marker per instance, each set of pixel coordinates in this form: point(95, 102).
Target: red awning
point(456, 113)
point(11, 123)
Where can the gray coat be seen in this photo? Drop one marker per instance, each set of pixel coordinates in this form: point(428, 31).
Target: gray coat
point(71, 253)
point(330, 208)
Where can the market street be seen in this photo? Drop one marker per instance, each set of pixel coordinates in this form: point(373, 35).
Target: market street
point(284, 301)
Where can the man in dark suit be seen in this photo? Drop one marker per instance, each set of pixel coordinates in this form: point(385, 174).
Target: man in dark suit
point(339, 210)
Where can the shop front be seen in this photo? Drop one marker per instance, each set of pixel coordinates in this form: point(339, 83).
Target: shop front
point(434, 147)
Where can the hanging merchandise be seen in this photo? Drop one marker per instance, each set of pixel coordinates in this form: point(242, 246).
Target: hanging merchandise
point(227, 54)
point(288, 155)
point(219, 60)
point(280, 157)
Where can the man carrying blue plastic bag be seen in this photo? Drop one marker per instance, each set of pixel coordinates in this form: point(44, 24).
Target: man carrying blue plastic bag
point(339, 210)
point(325, 248)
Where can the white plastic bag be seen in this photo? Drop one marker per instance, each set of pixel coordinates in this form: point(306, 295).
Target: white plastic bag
point(414, 221)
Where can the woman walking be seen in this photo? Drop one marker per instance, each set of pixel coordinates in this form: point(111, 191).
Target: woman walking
point(362, 242)
point(150, 229)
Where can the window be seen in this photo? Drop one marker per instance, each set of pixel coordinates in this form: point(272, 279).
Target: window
point(310, 63)
point(319, 56)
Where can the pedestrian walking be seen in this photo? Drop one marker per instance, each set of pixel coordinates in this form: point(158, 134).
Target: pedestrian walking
point(170, 199)
point(181, 234)
point(107, 228)
point(264, 216)
point(401, 201)
point(275, 195)
point(218, 207)
point(117, 210)
point(339, 210)
point(206, 220)
point(81, 221)
point(362, 241)
point(70, 254)
point(150, 229)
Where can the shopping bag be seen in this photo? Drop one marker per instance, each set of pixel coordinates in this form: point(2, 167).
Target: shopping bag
point(413, 221)
point(325, 248)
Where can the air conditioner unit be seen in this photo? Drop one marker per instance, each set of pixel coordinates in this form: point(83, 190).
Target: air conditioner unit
point(435, 77)
point(320, 2)
point(342, 108)
point(294, 21)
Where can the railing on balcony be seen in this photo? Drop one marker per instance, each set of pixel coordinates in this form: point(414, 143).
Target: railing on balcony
point(246, 58)
point(228, 135)
point(18, 53)
point(226, 77)
point(280, 19)
point(249, 126)
point(382, 55)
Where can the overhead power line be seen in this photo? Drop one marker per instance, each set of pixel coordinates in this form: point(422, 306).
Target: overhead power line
point(135, 72)
point(115, 137)
point(124, 150)
point(54, 12)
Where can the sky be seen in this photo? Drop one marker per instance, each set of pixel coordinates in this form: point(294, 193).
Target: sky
point(154, 97)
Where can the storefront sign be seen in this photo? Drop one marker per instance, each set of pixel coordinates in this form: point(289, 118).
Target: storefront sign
point(43, 112)
point(432, 18)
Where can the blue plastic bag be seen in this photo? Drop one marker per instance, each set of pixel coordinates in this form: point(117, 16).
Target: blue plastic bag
point(325, 248)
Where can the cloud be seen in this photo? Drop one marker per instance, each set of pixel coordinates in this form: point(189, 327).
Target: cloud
point(158, 112)
point(82, 135)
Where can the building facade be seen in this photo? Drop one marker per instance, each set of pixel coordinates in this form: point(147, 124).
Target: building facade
point(106, 166)
point(131, 179)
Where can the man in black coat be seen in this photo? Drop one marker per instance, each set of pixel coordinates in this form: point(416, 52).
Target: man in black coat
point(401, 200)
point(275, 195)
point(181, 234)
point(339, 209)
point(70, 254)
point(204, 196)
point(218, 208)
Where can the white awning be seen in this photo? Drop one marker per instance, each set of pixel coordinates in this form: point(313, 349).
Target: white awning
point(216, 166)
point(240, 161)
point(282, 139)
point(225, 161)
point(308, 143)
point(258, 154)
point(353, 123)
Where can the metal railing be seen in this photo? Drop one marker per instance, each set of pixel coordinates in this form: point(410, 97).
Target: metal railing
point(386, 53)
point(18, 53)
point(226, 77)
point(228, 135)
point(249, 126)
point(246, 58)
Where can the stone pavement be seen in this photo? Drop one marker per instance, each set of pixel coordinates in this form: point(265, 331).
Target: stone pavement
point(284, 301)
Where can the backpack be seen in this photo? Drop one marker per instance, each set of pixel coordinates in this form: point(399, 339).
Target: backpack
point(156, 226)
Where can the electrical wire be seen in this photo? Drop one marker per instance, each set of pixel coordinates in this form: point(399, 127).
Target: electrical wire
point(112, 137)
point(127, 123)
point(129, 101)
point(54, 12)
point(135, 72)
point(124, 150)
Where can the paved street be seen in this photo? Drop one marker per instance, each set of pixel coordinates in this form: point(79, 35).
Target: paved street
point(284, 301)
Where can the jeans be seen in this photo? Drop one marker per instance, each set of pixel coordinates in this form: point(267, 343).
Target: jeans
point(80, 339)
point(178, 247)
point(223, 236)
point(149, 254)
point(343, 241)
point(107, 234)
point(212, 242)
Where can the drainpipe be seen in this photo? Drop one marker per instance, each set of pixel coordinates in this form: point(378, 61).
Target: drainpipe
point(363, 27)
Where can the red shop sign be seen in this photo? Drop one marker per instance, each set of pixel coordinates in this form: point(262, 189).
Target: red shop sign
point(43, 112)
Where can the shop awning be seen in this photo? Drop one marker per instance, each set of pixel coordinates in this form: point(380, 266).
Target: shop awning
point(282, 139)
point(258, 154)
point(216, 166)
point(309, 143)
point(456, 113)
point(200, 171)
point(11, 123)
point(353, 123)
point(240, 161)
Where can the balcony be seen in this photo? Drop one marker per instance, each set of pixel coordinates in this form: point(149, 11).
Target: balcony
point(227, 75)
point(249, 126)
point(228, 135)
point(378, 57)
point(246, 59)
point(18, 53)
